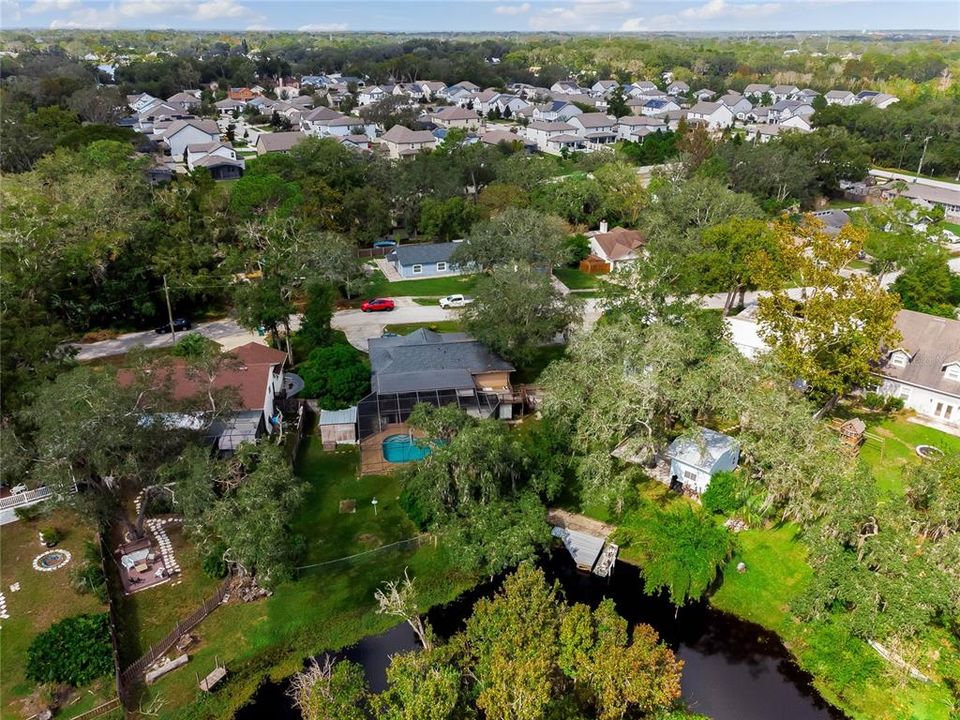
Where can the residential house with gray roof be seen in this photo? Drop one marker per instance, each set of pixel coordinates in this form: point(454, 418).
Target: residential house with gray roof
point(425, 260)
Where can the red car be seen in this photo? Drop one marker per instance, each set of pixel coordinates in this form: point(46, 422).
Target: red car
point(378, 305)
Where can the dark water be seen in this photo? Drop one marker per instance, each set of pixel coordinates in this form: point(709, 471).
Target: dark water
point(733, 670)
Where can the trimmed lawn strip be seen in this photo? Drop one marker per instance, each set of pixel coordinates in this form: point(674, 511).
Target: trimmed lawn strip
point(43, 599)
point(438, 286)
point(325, 608)
point(441, 326)
point(576, 279)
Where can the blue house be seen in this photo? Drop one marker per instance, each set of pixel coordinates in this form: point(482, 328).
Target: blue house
point(694, 460)
point(427, 260)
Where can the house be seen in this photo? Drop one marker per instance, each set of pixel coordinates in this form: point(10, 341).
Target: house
point(658, 106)
point(540, 131)
point(695, 460)
point(601, 87)
point(925, 196)
point(756, 90)
point(253, 373)
point(495, 137)
point(158, 174)
point(431, 89)
point(840, 97)
point(402, 141)
point(221, 168)
point(556, 144)
point(185, 100)
point(139, 101)
point(278, 142)
point(596, 128)
point(456, 117)
point(738, 104)
point(510, 105)
point(714, 115)
point(424, 260)
point(881, 100)
point(797, 122)
point(218, 148)
point(617, 247)
point(426, 360)
point(704, 94)
point(242, 94)
point(640, 88)
point(783, 92)
point(556, 110)
point(228, 106)
point(151, 118)
point(924, 368)
point(370, 95)
point(678, 88)
point(182, 133)
point(807, 95)
point(261, 104)
point(785, 109)
point(566, 87)
point(634, 129)
point(310, 123)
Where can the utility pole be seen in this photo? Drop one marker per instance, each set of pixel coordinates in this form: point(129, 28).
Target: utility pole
point(166, 294)
point(922, 156)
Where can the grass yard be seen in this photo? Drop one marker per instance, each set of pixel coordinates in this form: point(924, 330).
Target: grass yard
point(43, 599)
point(858, 265)
point(325, 607)
point(442, 326)
point(437, 287)
point(576, 279)
point(529, 372)
point(951, 226)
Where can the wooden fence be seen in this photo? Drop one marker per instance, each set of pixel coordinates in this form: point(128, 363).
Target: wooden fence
point(112, 610)
point(182, 628)
point(99, 710)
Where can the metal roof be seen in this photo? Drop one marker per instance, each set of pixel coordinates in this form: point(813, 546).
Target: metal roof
point(339, 417)
point(703, 451)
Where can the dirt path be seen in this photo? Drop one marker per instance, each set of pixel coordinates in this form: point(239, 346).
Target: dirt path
point(579, 523)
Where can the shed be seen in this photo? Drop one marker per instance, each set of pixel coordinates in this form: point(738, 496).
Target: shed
point(338, 427)
point(694, 460)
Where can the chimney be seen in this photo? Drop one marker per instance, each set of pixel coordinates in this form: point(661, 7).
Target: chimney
point(603, 226)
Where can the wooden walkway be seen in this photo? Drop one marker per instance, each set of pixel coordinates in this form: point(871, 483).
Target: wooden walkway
point(586, 539)
point(580, 523)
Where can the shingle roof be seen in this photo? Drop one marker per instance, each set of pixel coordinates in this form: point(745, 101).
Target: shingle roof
point(594, 120)
point(425, 253)
point(550, 126)
point(279, 142)
point(448, 114)
point(620, 243)
point(426, 360)
point(401, 134)
point(701, 452)
point(932, 342)
point(208, 126)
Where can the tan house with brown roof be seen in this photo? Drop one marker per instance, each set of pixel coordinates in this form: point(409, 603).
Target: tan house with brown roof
point(402, 141)
point(617, 247)
point(924, 368)
point(278, 142)
point(457, 117)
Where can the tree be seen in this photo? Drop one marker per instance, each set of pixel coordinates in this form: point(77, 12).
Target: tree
point(617, 103)
point(517, 235)
point(682, 551)
point(518, 310)
point(330, 690)
point(253, 518)
point(75, 651)
point(317, 314)
point(833, 333)
point(448, 219)
point(399, 599)
point(335, 375)
point(927, 284)
point(421, 685)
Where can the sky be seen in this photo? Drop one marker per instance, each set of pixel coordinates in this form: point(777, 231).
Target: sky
point(485, 15)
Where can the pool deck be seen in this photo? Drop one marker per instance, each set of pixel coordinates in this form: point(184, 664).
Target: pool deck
point(372, 461)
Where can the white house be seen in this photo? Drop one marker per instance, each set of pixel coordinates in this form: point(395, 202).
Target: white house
point(695, 460)
point(370, 95)
point(704, 94)
point(540, 131)
point(228, 106)
point(678, 88)
point(566, 87)
point(640, 88)
point(556, 110)
point(634, 129)
point(602, 87)
point(716, 115)
point(738, 104)
point(658, 106)
point(840, 97)
point(201, 150)
point(617, 247)
point(783, 92)
point(456, 117)
point(756, 90)
point(182, 133)
point(402, 141)
point(924, 368)
point(596, 128)
point(311, 122)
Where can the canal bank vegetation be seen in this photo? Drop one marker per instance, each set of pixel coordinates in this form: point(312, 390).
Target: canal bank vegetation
point(524, 654)
point(838, 553)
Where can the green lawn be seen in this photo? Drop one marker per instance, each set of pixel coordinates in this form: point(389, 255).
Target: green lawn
point(324, 608)
point(951, 226)
point(576, 279)
point(437, 287)
point(529, 372)
point(43, 599)
point(858, 265)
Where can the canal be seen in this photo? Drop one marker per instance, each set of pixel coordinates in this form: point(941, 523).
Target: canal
point(733, 670)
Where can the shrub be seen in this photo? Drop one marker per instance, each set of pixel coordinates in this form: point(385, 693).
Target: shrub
point(31, 513)
point(873, 401)
point(51, 536)
point(893, 404)
point(579, 247)
point(415, 509)
point(213, 563)
point(159, 502)
point(723, 493)
point(88, 577)
point(75, 651)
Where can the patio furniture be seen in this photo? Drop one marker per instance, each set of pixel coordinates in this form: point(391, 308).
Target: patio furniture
point(141, 568)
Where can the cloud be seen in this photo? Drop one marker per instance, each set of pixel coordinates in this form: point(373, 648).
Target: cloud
point(219, 9)
point(10, 10)
point(512, 9)
point(722, 9)
point(706, 15)
point(258, 28)
point(322, 27)
point(42, 6)
point(581, 15)
point(87, 18)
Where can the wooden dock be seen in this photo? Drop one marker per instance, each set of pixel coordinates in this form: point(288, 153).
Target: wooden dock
point(586, 541)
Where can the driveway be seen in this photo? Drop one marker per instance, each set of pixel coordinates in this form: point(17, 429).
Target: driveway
point(359, 326)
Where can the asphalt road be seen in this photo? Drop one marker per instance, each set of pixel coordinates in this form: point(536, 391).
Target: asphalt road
point(226, 332)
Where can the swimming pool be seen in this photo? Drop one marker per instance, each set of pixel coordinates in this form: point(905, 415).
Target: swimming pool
point(401, 449)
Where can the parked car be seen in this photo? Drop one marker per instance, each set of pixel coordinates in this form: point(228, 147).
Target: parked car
point(455, 301)
point(378, 305)
point(179, 324)
point(385, 244)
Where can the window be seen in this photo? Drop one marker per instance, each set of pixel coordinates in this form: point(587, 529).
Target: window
point(417, 269)
point(948, 412)
point(689, 476)
point(903, 393)
point(898, 359)
point(952, 372)
point(441, 267)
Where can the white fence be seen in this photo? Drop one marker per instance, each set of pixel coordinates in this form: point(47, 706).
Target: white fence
point(28, 497)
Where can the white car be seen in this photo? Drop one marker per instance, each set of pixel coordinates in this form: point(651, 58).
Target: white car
point(454, 301)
